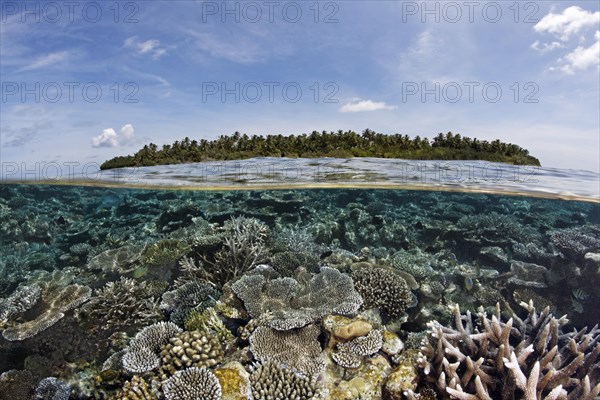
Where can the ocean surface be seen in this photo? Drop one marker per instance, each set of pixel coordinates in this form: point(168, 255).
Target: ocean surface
point(296, 278)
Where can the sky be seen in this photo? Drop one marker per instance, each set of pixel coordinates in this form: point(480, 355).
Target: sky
point(83, 82)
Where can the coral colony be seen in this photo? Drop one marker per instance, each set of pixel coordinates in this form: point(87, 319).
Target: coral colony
point(296, 295)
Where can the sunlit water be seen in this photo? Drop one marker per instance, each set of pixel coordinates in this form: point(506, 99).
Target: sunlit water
point(474, 234)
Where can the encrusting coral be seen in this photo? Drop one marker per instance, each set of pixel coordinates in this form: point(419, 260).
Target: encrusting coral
point(494, 359)
point(193, 384)
point(298, 349)
point(291, 304)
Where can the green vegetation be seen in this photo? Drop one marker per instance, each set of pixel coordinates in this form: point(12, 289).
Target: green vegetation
point(326, 144)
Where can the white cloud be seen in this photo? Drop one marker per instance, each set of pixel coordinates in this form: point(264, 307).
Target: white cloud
point(546, 47)
point(150, 47)
point(365, 105)
point(109, 138)
point(583, 58)
point(47, 60)
point(572, 20)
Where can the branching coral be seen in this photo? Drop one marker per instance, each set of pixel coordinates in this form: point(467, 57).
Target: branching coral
point(530, 359)
point(271, 380)
point(384, 289)
point(122, 304)
point(193, 384)
point(164, 253)
point(55, 300)
point(297, 348)
point(136, 389)
point(349, 354)
point(142, 353)
point(574, 243)
point(291, 304)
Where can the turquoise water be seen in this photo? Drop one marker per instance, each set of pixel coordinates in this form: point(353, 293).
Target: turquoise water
point(83, 269)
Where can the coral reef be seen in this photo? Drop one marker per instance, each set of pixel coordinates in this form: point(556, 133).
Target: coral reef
point(192, 384)
point(121, 260)
point(17, 384)
point(531, 358)
point(384, 289)
point(142, 353)
point(271, 380)
point(298, 349)
point(291, 304)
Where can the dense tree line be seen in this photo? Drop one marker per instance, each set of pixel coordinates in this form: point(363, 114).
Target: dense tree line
point(341, 144)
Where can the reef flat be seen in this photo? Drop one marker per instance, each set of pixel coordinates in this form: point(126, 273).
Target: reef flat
point(122, 293)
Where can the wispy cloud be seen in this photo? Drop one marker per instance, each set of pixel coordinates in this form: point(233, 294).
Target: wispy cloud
point(583, 58)
point(365, 105)
point(47, 60)
point(151, 47)
point(546, 47)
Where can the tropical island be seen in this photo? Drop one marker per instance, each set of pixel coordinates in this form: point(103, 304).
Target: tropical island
point(339, 144)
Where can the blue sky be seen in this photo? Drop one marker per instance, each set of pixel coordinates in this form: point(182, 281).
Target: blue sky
point(394, 67)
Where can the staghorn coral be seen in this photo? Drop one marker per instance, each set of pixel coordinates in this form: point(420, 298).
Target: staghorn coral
point(193, 384)
point(382, 288)
point(52, 389)
point(290, 304)
point(530, 359)
point(190, 349)
point(123, 304)
point(142, 353)
point(273, 381)
point(55, 300)
point(194, 295)
point(298, 349)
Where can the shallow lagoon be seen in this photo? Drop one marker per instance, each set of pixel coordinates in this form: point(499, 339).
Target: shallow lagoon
point(107, 289)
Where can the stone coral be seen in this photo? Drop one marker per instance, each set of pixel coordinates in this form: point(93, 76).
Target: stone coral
point(193, 384)
point(298, 349)
point(180, 302)
point(17, 384)
point(273, 381)
point(349, 354)
point(190, 349)
point(530, 359)
point(136, 389)
point(52, 389)
point(208, 320)
point(142, 353)
point(382, 288)
point(291, 304)
point(55, 300)
point(121, 260)
point(164, 253)
point(20, 301)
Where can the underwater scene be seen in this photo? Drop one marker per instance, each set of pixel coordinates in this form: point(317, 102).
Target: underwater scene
point(344, 294)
